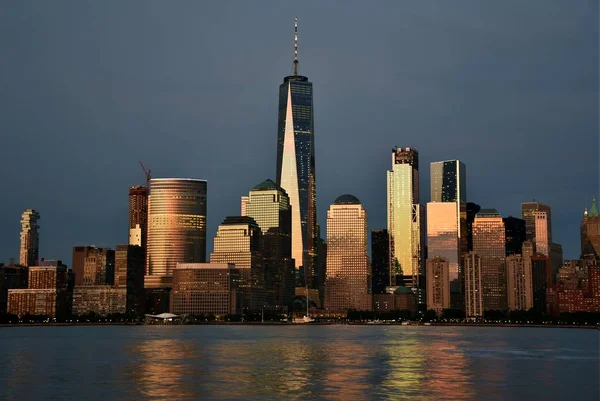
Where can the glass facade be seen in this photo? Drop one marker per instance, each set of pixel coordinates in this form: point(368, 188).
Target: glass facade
point(29, 251)
point(268, 204)
point(488, 244)
point(348, 277)
point(443, 239)
point(176, 227)
point(239, 241)
point(538, 225)
point(406, 220)
point(380, 262)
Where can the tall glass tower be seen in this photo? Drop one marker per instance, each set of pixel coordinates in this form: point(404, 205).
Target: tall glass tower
point(296, 166)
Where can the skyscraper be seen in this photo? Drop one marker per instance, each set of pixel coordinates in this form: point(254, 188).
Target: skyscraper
point(176, 227)
point(29, 251)
point(488, 244)
point(268, 204)
point(443, 242)
point(138, 215)
point(93, 266)
point(296, 165)
point(129, 275)
point(380, 260)
point(473, 285)
point(239, 241)
point(538, 225)
point(406, 219)
point(514, 233)
point(449, 184)
point(348, 282)
point(472, 210)
point(438, 284)
point(519, 282)
point(590, 232)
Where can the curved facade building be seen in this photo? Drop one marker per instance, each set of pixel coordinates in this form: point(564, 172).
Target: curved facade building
point(176, 227)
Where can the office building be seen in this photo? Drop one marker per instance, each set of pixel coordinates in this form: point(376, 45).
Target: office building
point(556, 257)
point(129, 275)
point(472, 210)
point(206, 289)
point(11, 277)
point(519, 282)
point(590, 232)
point(406, 220)
point(438, 284)
point(92, 265)
point(348, 280)
point(239, 241)
point(296, 166)
point(514, 234)
point(47, 293)
point(176, 227)
point(30, 239)
point(380, 260)
point(138, 215)
point(489, 245)
point(99, 299)
point(449, 184)
point(443, 241)
point(538, 225)
point(268, 204)
point(541, 281)
point(473, 285)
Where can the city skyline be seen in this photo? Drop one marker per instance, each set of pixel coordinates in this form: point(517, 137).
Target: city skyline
point(67, 223)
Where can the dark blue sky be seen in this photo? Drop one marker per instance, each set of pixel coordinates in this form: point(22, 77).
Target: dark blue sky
point(88, 88)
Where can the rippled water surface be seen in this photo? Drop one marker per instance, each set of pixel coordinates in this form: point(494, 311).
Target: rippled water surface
point(298, 362)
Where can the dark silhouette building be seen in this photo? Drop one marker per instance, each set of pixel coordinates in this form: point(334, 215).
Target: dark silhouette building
point(514, 229)
point(380, 249)
point(129, 274)
point(138, 215)
point(590, 232)
point(472, 210)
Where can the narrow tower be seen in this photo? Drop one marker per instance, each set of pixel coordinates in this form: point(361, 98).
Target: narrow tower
point(296, 166)
point(29, 251)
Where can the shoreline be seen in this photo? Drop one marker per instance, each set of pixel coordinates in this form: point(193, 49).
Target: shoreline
point(499, 325)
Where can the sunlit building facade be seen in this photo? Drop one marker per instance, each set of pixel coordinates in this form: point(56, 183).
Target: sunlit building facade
point(98, 267)
point(519, 283)
point(348, 280)
point(268, 204)
point(590, 232)
point(488, 244)
point(473, 285)
point(538, 225)
point(30, 246)
point(406, 220)
point(296, 167)
point(438, 284)
point(206, 289)
point(443, 240)
point(138, 215)
point(176, 227)
point(239, 241)
point(129, 275)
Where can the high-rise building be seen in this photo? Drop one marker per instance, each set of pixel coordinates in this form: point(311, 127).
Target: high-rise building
point(205, 289)
point(590, 232)
point(519, 282)
point(138, 215)
point(296, 165)
point(449, 184)
point(11, 277)
point(30, 246)
point(443, 241)
point(406, 220)
point(129, 275)
point(239, 241)
point(541, 280)
point(380, 259)
point(472, 210)
point(556, 257)
point(438, 284)
point(514, 234)
point(488, 244)
point(348, 281)
point(93, 266)
point(473, 285)
point(176, 227)
point(268, 204)
point(538, 225)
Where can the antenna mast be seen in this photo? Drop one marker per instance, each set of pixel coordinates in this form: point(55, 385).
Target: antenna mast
point(296, 47)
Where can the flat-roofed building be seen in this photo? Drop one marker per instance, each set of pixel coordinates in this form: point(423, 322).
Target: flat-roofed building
point(99, 299)
point(206, 289)
point(438, 284)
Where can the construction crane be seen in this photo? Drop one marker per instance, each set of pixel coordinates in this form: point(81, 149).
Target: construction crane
point(148, 177)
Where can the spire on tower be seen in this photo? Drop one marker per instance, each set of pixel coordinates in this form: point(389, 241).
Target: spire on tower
point(296, 47)
point(594, 208)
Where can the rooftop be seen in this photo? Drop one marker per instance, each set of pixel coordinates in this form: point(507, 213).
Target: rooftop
point(346, 199)
point(266, 185)
point(488, 213)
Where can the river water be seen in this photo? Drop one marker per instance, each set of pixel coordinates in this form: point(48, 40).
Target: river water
point(302, 362)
